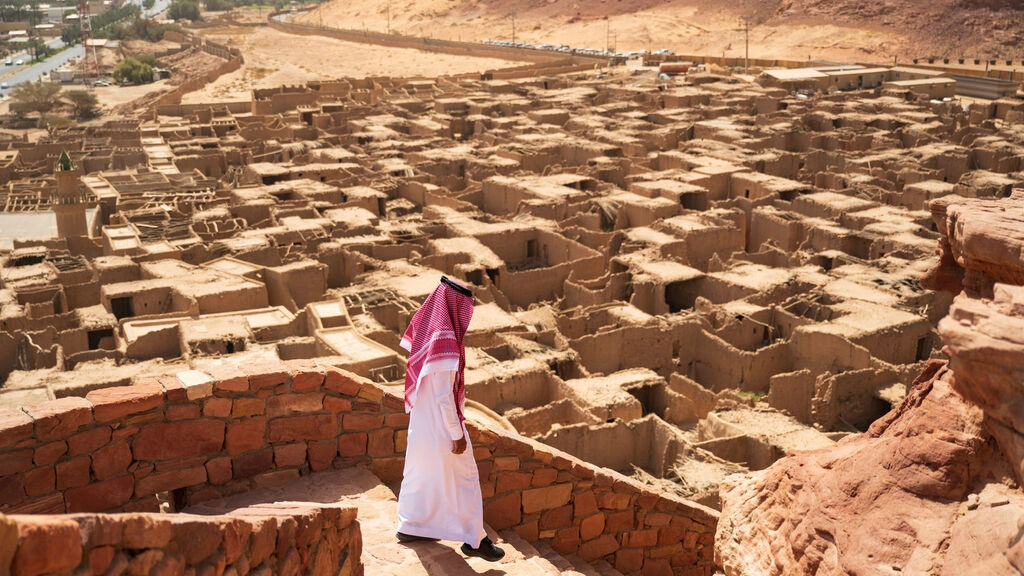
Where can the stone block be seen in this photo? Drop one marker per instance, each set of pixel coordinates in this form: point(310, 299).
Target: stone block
point(306, 375)
point(657, 567)
point(47, 545)
point(88, 441)
point(354, 422)
point(335, 404)
point(217, 408)
point(512, 481)
point(397, 420)
point(111, 460)
point(538, 499)
point(60, 418)
point(120, 401)
point(645, 538)
point(566, 541)
point(290, 455)
point(178, 412)
point(252, 463)
point(340, 382)
point(228, 378)
point(543, 477)
point(295, 428)
point(73, 473)
point(321, 454)
point(616, 522)
point(100, 559)
point(584, 504)
point(381, 443)
point(503, 512)
point(506, 463)
point(245, 435)
point(351, 445)
point(628, 561)
point(172, 480)
point(560, 517)
point(21, 460)
point(266, 373)
point(592, 526)
point(178, 439)
point(15, 426)
point(598, 548)
point(236, 537)
point(614, 501)
point(196, 539)
point(40, 481)
point(288, 404)
point(218, 470)
point(143, 531)
point(244, 407)
point(104, 496)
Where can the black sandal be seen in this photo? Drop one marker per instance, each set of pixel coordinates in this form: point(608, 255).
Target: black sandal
point(486, 550)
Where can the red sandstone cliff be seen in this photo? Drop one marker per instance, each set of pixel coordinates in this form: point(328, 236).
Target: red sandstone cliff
point(934, 487)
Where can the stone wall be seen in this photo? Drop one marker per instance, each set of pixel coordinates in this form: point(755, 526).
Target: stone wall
point(283, 539)
point(200, 436)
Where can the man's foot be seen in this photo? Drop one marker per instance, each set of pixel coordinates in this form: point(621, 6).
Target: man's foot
point(486, 550)
point(410, 538)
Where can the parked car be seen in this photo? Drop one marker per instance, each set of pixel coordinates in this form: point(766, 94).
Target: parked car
point(4, 86)
point(19, 62)
point(101, 82)
point(9, 62)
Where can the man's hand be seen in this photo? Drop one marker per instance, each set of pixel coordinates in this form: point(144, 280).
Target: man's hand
point(460, 445)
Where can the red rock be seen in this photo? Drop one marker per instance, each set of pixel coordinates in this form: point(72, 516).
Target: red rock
point(399, 420)
point(509, 481)
point(657, 567)
point(146, 531)
point(341, 382)
point(566, 541)
point(334, 404)
point(503, 511)
point(560, 517)
point(537, 499)
point(196, 539)
point(73, 473)
point(598, 548)
point(60, 418)
point(86, 442)
point(252, 463)
point(628, 561)
point(294, 428)
point(350, 445)
point(616, 522)
point(217, 408)
point(354, 422)
point(218, 470)
point(288, 404)
point(306, 375)
point(47, 545)
point(40, 481)
point(266, 374)
point(101, 496)
point(321, 454)
point(120, 401)
point(12, 489)
point(228, 378)
point(642, 538)
point(8, 543)
point(245, 435)
point(176, 412)
point(178, 439)
point(614, 501)
point(19, 461)
point(174, 389)
point(264, 539)
point(172, 480)
point(236, 537)
point(584, 504)
point(111, 460)
point(15, 426)
point(290, 455)
point(100, 559)
point(389, 470)
point(402, 441)
point(592, 526)
point(506, 463)
point(543, 476)
point(243, 407)
point(381, 443)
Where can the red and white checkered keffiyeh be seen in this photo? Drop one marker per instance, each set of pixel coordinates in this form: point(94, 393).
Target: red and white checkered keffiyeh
point(435, 340)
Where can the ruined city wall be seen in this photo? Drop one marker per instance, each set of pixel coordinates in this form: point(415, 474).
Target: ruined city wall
point(202, 436)
point(282, 539)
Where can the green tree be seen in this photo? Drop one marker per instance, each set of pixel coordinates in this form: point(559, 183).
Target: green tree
point(29, 97)
point(187, 9)
point(84, 103)
point(146, 58)
point(219, 5)
point(133, 71)
point(147, 4)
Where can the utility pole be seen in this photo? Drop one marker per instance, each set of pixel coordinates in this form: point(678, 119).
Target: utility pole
point(746, 45)
point(607, 34)
point(389, 17)
point(513, 27)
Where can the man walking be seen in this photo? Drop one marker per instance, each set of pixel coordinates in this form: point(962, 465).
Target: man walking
point(440, 496)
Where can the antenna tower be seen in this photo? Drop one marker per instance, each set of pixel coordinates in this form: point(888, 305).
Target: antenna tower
point(85, 24)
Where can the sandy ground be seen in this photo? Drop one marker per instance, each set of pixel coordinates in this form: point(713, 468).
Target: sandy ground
point(274, 58)
point(708, 27)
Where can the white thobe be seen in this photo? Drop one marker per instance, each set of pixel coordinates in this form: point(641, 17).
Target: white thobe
point(440, 495)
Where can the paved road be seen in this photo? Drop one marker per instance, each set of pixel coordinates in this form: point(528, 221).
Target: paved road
point(32, 72)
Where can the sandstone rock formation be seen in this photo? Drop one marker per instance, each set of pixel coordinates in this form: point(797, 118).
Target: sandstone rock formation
point(935, 486)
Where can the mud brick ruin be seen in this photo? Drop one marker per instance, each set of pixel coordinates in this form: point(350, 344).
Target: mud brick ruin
point(677, 280)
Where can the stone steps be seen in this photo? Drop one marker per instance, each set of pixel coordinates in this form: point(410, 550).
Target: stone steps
point(382, 553)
